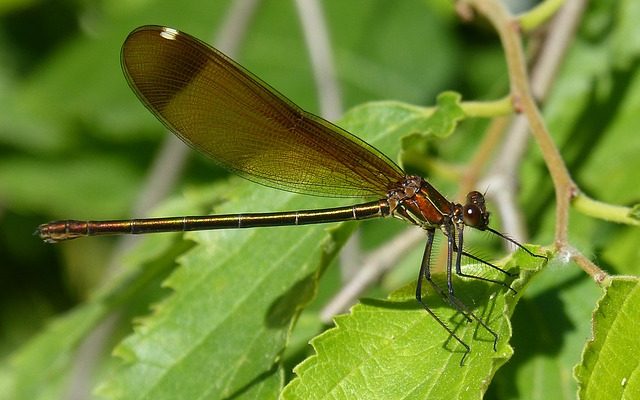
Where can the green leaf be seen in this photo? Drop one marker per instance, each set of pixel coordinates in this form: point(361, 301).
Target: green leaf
point(390, 120)
point(550, 325)
point(394, 120)
point(394, 349)
point(267, 386)
point(446, 116)
point(609, 368)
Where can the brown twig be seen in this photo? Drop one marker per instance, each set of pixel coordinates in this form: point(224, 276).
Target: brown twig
point(510, 36)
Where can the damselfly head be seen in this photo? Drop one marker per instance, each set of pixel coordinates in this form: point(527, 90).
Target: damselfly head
point(474, 212)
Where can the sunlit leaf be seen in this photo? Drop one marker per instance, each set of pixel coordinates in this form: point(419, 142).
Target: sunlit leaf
point(606, 370)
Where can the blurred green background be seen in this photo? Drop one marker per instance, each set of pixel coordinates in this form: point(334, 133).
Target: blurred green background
point(76, 143)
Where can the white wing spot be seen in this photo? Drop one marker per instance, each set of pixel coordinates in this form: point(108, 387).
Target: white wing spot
point(169, 33)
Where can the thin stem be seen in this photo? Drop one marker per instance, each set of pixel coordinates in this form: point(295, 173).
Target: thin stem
point(607, 212)
point(471, 109)
point(509, 33)
point(565, 189)
point(501, 178)
point(598, 275)
point(540, 14)
point(480, 109)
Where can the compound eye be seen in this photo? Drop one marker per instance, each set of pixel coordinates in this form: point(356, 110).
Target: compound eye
point(472, 216)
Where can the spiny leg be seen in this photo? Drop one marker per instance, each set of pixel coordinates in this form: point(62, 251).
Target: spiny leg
point(495, 267)
point(448, 295)
point(426, 273)
point(480, 260)
point(457, 247)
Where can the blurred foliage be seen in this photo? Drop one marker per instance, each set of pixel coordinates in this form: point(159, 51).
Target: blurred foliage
point(76, 143)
